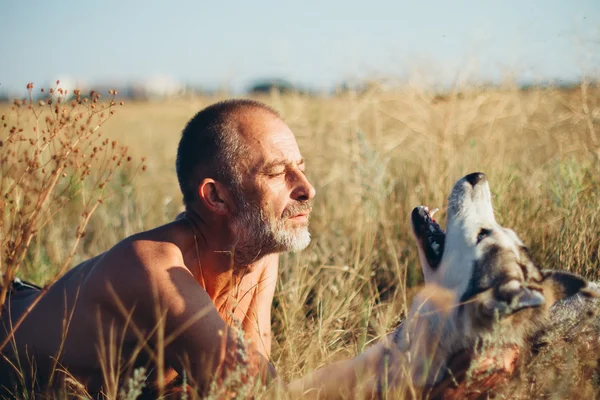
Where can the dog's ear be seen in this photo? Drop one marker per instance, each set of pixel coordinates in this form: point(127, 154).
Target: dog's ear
point(559, 285)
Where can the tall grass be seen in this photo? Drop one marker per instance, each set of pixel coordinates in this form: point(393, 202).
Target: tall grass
point(372, 157)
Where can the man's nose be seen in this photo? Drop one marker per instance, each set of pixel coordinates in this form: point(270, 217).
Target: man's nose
point(303, 190)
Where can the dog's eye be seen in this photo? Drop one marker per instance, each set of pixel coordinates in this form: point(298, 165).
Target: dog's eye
point(483, 233)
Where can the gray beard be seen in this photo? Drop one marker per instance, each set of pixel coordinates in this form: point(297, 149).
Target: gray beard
point(256, 235)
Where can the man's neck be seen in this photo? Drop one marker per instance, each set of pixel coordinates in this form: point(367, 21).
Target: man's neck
point(211, 260)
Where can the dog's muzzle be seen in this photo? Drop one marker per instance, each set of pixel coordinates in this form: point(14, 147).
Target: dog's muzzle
point(430, 236)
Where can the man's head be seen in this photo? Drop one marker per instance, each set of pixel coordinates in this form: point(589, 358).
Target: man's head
point(238, 161)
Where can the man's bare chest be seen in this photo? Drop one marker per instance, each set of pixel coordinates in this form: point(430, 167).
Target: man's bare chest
point(235, 306)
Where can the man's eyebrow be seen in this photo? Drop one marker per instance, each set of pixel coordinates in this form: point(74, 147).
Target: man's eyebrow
point(280, 162)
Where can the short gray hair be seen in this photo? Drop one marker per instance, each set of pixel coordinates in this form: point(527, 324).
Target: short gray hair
point(211, 146)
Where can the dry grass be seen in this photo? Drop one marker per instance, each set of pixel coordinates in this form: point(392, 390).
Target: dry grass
point(372, 157)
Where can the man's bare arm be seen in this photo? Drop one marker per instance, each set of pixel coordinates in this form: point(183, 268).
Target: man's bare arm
point(359, 377)
point(198, 339)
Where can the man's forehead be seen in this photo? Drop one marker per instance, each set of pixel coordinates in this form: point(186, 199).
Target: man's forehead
point(268, 137)
point(257, 123)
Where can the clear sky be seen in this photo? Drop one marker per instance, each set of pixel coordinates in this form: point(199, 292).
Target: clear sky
point(314, 43)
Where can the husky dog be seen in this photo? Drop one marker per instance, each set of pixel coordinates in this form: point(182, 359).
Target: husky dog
point(482, 287)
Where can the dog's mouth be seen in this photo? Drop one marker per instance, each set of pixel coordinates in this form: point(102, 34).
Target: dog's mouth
point(430, 236)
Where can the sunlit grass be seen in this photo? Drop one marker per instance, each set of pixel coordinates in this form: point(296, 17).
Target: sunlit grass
point(372, 157)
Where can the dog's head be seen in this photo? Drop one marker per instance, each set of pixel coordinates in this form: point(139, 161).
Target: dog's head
point(483, 263)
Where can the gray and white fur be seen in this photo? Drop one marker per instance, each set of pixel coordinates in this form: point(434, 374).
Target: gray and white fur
point(482, 287)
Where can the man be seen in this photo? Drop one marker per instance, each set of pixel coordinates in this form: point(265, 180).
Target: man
point(170, 299)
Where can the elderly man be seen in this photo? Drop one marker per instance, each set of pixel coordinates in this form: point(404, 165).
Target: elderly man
point(170, 299)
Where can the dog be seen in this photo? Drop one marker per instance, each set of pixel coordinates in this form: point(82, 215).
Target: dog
point(482, 289)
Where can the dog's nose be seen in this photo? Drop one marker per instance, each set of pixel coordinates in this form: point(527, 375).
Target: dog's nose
point(475, 178)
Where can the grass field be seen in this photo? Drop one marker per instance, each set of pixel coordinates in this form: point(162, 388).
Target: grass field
point(372, 157)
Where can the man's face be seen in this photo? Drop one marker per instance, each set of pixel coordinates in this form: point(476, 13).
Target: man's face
point(273, 204)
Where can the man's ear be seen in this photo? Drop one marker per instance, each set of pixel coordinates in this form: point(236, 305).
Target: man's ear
point(215, 196)
point(559, 285)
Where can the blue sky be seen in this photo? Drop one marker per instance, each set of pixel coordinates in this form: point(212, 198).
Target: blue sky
point(314, 43)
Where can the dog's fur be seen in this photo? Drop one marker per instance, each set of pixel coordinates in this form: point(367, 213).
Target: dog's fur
point(484, 292)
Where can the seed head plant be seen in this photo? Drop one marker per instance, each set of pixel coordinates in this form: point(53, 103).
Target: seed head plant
point(52, 154)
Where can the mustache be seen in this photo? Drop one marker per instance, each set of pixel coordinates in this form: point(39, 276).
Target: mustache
point(297, 208)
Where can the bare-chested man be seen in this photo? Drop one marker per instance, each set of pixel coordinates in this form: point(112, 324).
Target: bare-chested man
point(247, 199)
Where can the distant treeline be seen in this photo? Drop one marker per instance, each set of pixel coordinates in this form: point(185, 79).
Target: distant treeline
point(266, 86)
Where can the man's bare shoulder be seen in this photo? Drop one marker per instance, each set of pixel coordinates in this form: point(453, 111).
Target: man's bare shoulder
point(139, 266)
point(150, 250)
